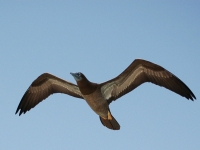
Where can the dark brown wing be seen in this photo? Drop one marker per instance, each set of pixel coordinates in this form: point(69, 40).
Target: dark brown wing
point(141, 71)
point(45, 85)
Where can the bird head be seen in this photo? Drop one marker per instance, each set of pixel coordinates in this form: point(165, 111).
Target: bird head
point(77, 76)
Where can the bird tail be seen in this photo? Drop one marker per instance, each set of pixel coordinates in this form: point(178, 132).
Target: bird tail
point(110, 123)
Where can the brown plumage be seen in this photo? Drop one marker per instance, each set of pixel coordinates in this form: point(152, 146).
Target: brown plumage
point(99, 96)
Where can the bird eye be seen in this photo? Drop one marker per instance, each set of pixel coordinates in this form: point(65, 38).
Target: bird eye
point(79, 74)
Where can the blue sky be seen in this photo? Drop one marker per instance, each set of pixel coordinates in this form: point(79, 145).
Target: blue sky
point(99, 39)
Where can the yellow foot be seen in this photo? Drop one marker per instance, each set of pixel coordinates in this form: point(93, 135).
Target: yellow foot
point(109, 116)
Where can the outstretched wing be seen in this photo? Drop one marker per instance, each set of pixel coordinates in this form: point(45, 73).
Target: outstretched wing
point(139, 72)
point(45, 85)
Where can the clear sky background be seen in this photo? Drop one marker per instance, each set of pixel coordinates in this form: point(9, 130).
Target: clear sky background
point(100, 39)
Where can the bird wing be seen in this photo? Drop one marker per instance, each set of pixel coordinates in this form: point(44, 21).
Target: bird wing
point(42, 87)
point(141, 71)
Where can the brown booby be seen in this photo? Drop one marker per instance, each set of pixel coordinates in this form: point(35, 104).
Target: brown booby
point(99, 96)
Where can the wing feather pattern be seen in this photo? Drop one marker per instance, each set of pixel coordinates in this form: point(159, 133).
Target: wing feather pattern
point(45, 85)
point(139, 72)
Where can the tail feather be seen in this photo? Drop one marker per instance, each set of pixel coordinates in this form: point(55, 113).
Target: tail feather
point(111, 124)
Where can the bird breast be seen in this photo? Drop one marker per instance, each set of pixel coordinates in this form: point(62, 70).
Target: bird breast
point(97, 103)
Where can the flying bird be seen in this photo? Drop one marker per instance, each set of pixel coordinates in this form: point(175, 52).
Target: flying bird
point(99, 96)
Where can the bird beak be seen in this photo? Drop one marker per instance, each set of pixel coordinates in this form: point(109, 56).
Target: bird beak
point(76, 76)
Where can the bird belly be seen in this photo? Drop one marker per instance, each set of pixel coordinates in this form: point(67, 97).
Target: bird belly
point(97, 103)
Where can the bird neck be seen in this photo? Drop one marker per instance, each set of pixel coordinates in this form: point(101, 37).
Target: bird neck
point(86, 87)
